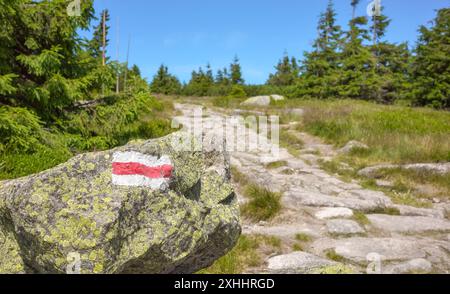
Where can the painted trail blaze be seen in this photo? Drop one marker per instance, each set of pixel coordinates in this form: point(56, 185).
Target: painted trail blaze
point(137, 169)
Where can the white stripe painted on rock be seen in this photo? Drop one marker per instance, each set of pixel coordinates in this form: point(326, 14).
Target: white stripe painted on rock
point(148, 160)
point(139, 181)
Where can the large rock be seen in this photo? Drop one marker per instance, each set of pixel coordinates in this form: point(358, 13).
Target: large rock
point(262, 100)
point(436, 168)
point(77, 217)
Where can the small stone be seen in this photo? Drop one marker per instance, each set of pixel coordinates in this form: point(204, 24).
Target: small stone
point(334, 212)
point(384, 184)
point(297, 262)
point(344, 227)
point(353, 145)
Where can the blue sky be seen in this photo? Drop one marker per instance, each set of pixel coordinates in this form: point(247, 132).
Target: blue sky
point(186, 34)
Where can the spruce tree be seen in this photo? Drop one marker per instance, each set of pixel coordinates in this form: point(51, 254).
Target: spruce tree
point(320, 66)
point(357, 77)
point(236, 72)
point(431, 67)
point(165, 83)
point(286, 72)
point(95, 45)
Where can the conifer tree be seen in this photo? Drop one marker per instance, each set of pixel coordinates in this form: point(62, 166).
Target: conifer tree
point(95, 45)
point(286, 74)
point(165, 83)
point(431, 67)
point(319, 66)
point(236, 72)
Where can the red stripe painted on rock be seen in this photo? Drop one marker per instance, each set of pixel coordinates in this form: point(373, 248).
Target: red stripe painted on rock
point(134, 168)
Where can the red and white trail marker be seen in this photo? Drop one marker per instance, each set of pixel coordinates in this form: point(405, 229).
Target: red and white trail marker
point(140, 170)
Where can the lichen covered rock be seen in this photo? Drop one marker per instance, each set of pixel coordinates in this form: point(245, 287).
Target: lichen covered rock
point(74, 219)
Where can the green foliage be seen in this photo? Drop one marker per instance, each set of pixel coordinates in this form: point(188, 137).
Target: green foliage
point(431, 67)
point(287, 72)
point(20, 130)
point(237, 91)
point(165, 83)
point(236, 72)
point(6, 86)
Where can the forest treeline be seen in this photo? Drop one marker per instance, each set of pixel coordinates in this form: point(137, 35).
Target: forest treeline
point(357, 62)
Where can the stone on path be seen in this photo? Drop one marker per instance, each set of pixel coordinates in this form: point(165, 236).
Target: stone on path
point(409, 224)
point(357, 249)
point(334, 212)
point(344, 227)
point(415, 266)
point(297, 263)
point(316, 199)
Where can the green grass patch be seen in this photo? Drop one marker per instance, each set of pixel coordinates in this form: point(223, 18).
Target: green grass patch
point(238, 177)
point(276, 164)
point(393, 133)
point(334, 270)
point(302, 237)
point(246, 254)
point(332, 255)
point(263, 204)
point(297, 247)
point(361, 218)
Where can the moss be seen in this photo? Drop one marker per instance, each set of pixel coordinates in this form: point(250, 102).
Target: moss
point(303, 237)
point(332, 255)
point(334, 270)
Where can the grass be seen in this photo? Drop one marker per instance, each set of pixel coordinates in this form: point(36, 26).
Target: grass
point(393, 133)
point(334, 270)
point(291, 142)
point(276, 164)
point(302, 237)
point(238, 177)
point(361, 218)
point(263, 204)
point(332, 255)
point(297, 247)
point(437, 186)
point(246, 254)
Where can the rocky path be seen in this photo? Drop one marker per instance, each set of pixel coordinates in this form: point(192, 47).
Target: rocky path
point(347, 224)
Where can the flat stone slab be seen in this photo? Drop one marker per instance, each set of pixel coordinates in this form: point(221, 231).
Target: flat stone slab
point(315, 199)
point(409, 224)
point(296, 263)
point(334, 212)
point(418, 266)
point(344, 227)
point(391, 251)
point(357, 249)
